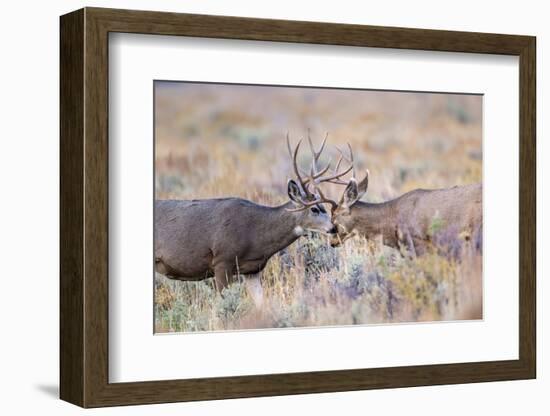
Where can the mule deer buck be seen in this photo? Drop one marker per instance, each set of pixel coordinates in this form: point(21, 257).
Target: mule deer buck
point(222, 237)
point(407, 222)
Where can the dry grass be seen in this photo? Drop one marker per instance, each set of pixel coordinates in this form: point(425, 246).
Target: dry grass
point(214, 141)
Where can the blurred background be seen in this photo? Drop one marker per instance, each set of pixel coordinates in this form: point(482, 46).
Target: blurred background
point(229, 140)
point(221, 140)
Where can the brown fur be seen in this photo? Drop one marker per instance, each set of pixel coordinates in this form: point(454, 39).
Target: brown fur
point(220, 237)
point(406, 220)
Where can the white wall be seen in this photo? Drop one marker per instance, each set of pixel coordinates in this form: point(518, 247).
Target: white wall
point(29, 207)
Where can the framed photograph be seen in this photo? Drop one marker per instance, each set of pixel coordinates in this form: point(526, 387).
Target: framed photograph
point(255, 207)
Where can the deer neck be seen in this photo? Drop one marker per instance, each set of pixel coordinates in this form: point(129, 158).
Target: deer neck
point(373, 220)
point(279, 228)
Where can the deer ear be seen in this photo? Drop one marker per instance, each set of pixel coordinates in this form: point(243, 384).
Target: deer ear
point(351, 193)
point(294, 191)
point(363, 185)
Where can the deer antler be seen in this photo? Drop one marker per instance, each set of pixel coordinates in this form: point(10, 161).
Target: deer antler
point(314, 174)
point(297, 171)
point(305, 205)
point(316, 153)
point(336, 175)
point(305, 179)
point(321, 199)
point(324, 199)
point(315, 177)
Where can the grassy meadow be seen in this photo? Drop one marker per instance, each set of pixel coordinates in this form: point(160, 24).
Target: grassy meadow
point(229, 140)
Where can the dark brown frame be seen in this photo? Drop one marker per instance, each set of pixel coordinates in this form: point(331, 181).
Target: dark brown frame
point(84, 209)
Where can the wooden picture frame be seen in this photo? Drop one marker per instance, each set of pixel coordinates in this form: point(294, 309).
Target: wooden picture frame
point(84, 207)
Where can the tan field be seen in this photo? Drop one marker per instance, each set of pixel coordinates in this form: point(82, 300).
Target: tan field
point(229, 141)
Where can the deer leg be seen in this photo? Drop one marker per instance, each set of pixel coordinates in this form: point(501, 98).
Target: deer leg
point(254, 289)
point(222, 277)
point(405, 244)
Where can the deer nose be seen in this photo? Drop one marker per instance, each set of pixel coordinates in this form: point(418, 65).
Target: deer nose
point(333, 230)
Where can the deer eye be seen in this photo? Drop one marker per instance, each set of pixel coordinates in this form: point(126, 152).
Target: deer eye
point(315, 210)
